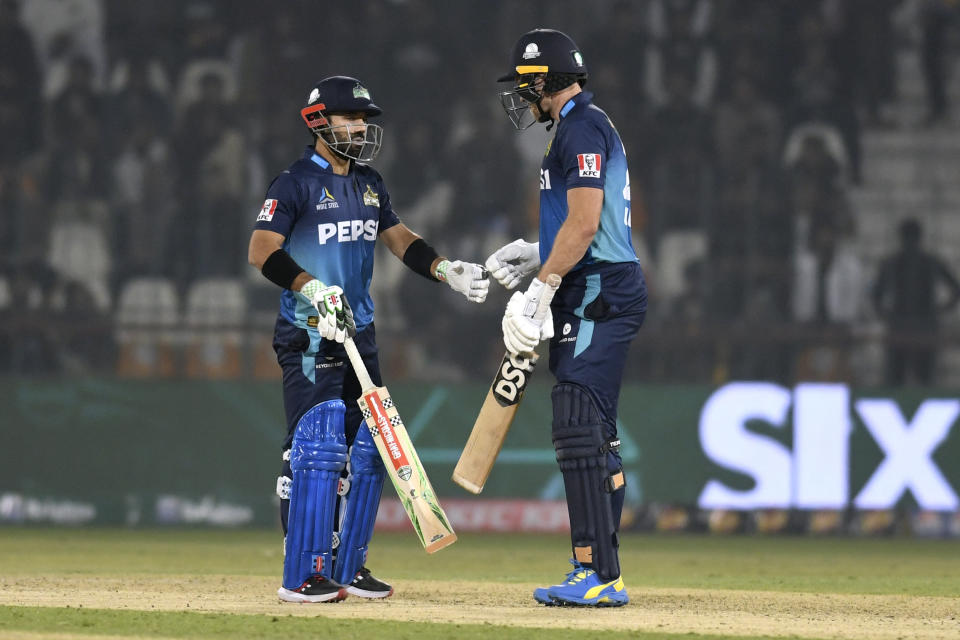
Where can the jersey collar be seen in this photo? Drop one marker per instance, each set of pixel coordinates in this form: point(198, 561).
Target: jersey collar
point(584, 97)
point(309, 153)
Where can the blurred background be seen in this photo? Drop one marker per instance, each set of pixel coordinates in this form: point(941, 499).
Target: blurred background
point(796, 209)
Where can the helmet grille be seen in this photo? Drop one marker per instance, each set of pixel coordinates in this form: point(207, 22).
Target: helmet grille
point(554, 82)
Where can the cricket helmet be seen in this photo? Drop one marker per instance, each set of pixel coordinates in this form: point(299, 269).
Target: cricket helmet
point(542, 53)
point(341, 95)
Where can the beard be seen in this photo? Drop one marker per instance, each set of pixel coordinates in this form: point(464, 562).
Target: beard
point(344, 144)
point(356, 144)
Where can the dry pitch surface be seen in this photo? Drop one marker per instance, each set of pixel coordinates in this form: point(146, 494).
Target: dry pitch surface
point(738, 587)
point(701, 611)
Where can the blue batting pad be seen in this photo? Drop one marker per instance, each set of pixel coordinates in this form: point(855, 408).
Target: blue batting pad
point(317, 456)
point(360, 512)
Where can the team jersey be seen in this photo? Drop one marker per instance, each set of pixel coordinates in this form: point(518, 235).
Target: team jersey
point(330, 224)
point(586, 151)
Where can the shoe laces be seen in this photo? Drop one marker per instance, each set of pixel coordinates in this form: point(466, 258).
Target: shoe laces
point(313, 580)
point(362, 572)
point(579, 573)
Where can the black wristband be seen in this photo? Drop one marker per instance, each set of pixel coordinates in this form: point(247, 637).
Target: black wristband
point(280, 269)
point(419, 256)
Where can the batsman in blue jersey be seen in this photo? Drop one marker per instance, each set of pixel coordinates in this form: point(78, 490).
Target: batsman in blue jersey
point(315, 238)
point(585, 238)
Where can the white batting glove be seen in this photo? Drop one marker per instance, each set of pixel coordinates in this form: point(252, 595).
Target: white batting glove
point(513, 262)
point(521, 331)
point(465, 277)
point(335, 315)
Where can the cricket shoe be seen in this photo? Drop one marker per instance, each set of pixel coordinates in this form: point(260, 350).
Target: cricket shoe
point(583, 587)
point(316, 589)
point(364, 585)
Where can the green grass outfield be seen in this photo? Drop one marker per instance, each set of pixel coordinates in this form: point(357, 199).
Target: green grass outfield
point(63, 583)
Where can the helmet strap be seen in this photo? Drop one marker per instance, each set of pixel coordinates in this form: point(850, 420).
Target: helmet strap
point(555, 83)
point(544, 115)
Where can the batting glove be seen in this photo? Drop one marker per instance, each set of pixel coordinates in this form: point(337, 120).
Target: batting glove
point(513, 262)
point(521, 331)
point(465, 277)
point(335, 315)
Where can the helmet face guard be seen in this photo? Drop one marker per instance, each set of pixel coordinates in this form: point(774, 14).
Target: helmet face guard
point(528, 92)
point(360, 142)
point(518, 109)
point(518, 101)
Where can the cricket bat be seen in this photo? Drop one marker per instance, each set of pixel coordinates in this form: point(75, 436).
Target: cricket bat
point(401, 460)
point(499, 407)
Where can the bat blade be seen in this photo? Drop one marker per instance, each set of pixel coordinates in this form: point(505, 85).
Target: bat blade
point(491, 426)
point(405, 470)
point(499, 407)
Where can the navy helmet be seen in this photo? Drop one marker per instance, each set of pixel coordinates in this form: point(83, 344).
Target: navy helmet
point(545, 51)
point(542, 53)
point(341, 95)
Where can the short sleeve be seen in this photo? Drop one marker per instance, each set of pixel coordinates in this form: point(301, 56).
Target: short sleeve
point(282, 205)
point(583, 155)
point(388, 217)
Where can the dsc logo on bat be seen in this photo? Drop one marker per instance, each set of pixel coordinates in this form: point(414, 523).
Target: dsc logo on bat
point(512, 379)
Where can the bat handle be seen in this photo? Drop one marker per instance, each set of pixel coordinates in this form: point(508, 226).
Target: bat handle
point(546, 296)
point(356, 360)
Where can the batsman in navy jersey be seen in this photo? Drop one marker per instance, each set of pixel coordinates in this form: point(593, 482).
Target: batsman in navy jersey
point(598, 309)
point(314, 237)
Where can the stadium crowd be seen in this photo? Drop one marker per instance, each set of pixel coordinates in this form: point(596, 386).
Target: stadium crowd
point(138, 139)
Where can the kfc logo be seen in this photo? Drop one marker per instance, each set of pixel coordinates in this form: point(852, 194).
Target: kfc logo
point(266, 212)
point(589, 165)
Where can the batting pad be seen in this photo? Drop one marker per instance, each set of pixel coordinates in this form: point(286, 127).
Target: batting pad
point(317, 456)
point(360, 511)
point(581, 448)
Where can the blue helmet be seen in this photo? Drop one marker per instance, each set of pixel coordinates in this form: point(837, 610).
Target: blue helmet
point(340, 95)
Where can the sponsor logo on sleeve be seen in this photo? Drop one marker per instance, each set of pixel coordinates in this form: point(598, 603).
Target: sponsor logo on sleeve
point(266, 212)
point(589, 165)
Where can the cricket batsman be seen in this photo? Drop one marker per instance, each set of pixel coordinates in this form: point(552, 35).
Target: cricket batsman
point(600, 306)
point(314, 238)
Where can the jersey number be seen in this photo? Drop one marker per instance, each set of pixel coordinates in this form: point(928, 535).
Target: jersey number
point(544, 179)
point(626, 196)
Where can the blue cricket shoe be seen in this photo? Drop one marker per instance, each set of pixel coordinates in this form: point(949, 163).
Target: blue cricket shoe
point(582, 587)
